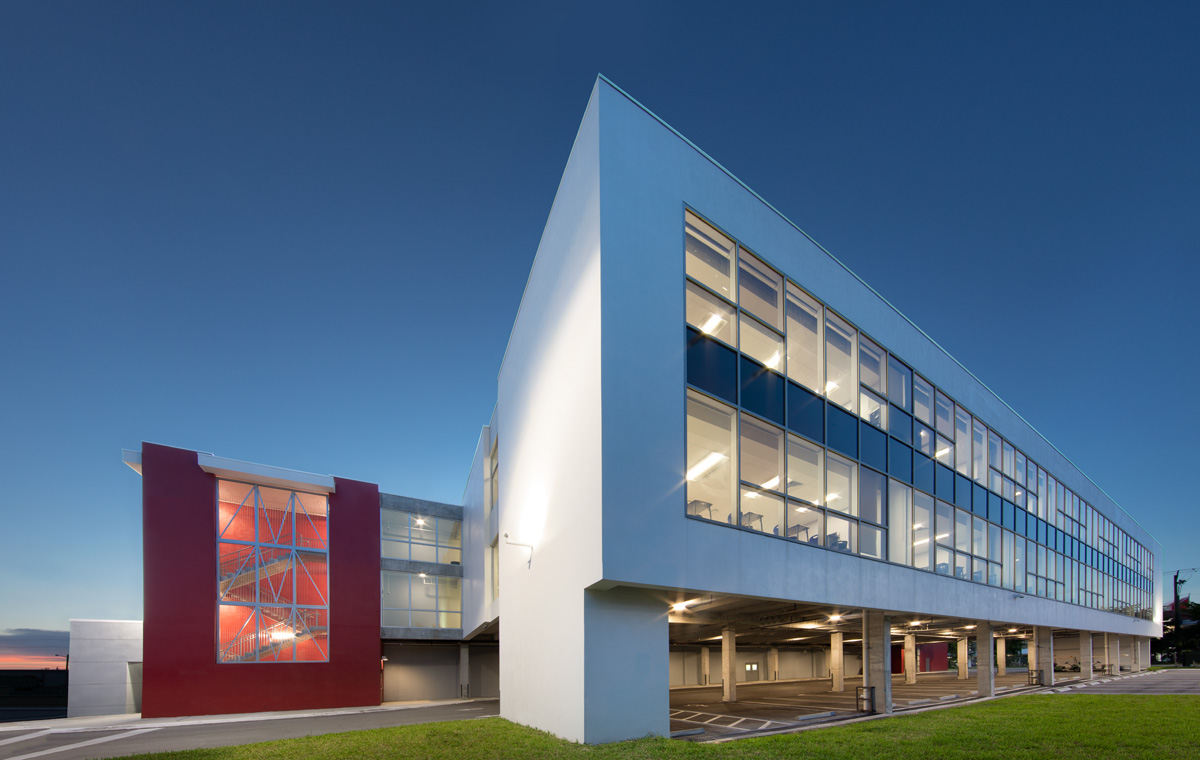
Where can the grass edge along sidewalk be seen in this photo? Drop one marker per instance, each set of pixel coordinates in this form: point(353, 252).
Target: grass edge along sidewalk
point(1083, 726)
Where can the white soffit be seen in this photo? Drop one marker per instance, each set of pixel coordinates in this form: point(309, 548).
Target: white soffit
point(133, 459)
point(265, 475)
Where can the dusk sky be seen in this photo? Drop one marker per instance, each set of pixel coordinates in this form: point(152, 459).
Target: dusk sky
point(297, 233)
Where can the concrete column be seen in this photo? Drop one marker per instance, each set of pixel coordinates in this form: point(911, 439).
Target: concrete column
point(728, 665)
point(1045, 649)
point(1113, 658)
point(877, 646)
point(1001, 656)
point(1085, 655)
point(837, 665)
point(1135, 650)
point(704, 673)
point(464, 670)
point(1144, 648)
point(773, 664)
point(910, 658)
point(985, 652)
point(963, 657)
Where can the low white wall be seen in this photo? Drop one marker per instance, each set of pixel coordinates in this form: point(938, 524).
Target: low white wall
point(106, 668)
point(687, 669)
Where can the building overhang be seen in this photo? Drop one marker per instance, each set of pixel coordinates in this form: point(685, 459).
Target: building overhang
point(261, 474)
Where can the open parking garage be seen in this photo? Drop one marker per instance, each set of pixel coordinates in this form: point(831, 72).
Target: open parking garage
point(742, 665)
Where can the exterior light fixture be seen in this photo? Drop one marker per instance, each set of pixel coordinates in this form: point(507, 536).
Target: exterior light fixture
point(969, 627)
point(508, 540)
point(834, 618)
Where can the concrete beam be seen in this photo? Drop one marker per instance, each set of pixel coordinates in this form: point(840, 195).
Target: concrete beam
point(985, 652)
point(910, 658)
point(1045, 650)
point(1085, 655)
point(837, 663)
point(728, 665)
point(877, 643)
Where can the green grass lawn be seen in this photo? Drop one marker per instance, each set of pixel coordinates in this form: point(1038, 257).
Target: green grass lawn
point(1084, 726)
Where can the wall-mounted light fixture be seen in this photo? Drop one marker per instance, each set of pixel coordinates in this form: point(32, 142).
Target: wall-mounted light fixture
point(508, 540)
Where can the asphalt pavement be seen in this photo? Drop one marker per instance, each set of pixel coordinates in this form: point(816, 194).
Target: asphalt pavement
point(81, 738)
point(1171, 681)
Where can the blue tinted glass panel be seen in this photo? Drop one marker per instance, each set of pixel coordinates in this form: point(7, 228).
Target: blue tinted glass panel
point(900, 425)
point(900, 461)
point(945, 483)
point(762, 391)
point(1041, 531)
point(923, 473)
point(962, 492)
point(806, 413)
point(1021, 520)
point(995, 508)
point(873, 446)
point(842, 430)
point(1010, 519)
point(979, 497)
point(711, 366)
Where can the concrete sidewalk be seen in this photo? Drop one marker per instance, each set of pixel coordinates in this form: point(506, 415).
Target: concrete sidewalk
point(116, 735)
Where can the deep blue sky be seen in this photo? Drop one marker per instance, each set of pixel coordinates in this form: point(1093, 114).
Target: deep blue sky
point(298, 233)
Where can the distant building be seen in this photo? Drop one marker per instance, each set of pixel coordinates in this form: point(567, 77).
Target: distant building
point(709, 434)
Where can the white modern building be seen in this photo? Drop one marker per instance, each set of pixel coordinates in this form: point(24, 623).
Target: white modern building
point(708, 427)
point(716, 456)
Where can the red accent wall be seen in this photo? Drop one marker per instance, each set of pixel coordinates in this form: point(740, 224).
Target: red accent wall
point(180, 673)
point(934, 657)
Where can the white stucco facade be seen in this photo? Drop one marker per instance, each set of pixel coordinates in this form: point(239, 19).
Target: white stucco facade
point(591, 427)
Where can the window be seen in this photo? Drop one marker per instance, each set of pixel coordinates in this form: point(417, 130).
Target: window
point(925, 440)
point(945, 416)
point(979, 453)
point(806, 470)
point(923, 400)
point(760, 289)
point(711, 459)
point(420, 537)
point(841, 385)
point(962, 531)
point(494, 477)
point(872, 496)
point(962, 441)
point(871, 541)
point(944, 525)
point(762, 454)
point(761, 343)
point(804, 320)
point(840, 480)
point(710, 315)
point(873, 409)
point(840, 533)
point(871, 361)
point(762, 511)
point(900, 523)
point(419, 600)
point(709, 256)
point(272, 574)
point(899, 384)
point(804, 523)
point(922, 532)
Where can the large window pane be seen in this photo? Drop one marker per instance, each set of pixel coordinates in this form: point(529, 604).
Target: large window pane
point(872, 364)
point(805, 523)
point(962, 441)
point(945, 451)
point(806, 470)
point(761, 343)
point(1009, 458)
point(1007, 562)
point(872, 495)
point(840, 533)
point(841, 480)
point(994, 542)
point(805, 321)
point(994, 456)
point(760, 289)
point(979, 453)
point(711, 459)
point(871, 541)
point(1019, 475)
point(709, 256)
point(925, 441)
point(762, 454)
point(962, 531)
point(762, 511)
point(944, 526)
point(899, 384)
point(922, 531)
point(979, 535)
point(922, 400)
point(873, 409)
point(841, 385)
point(710, 315)
point(945, 415)
point(900, 523)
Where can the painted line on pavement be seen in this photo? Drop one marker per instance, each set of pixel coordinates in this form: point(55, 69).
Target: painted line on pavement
point(88, 743)
point(23, 737)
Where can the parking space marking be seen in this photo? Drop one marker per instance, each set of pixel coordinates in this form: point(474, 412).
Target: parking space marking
point(88, 743)
point(23, 737)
